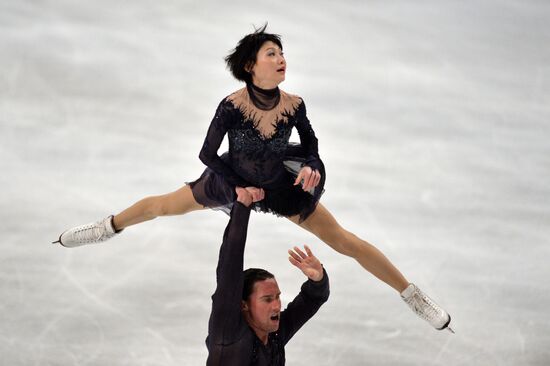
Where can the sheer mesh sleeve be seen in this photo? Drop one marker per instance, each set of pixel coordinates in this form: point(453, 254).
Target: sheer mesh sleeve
point(214, 137)
point(307, 138)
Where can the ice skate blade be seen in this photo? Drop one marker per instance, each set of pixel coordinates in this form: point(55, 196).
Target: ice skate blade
point(58, 241)
point(447, 326)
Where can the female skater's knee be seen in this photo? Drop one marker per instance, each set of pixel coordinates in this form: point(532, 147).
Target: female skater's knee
point(154, 207)
point(345, 243)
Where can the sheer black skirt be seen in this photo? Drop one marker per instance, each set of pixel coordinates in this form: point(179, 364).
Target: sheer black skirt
point(213, 191)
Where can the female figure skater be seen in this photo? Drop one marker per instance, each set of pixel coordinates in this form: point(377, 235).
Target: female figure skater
point(284, 179)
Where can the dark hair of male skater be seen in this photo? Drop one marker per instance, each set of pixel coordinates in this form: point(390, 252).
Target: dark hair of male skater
point(247, 326)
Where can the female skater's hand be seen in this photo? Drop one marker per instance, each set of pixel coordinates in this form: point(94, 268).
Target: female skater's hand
point(243, 196)
point(311, 178)
point(306, 262)
point(258, 194)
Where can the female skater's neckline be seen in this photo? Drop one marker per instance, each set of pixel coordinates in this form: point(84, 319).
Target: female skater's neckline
point(265, 99)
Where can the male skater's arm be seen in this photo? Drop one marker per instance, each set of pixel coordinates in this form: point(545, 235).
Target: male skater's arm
point(314, 293)
point(226, 322)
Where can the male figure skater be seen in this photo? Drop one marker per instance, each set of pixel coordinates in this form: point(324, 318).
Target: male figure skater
point(247, 326)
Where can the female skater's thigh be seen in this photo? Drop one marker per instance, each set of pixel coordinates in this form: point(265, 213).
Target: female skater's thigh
point(322, 224)
point(179, 202)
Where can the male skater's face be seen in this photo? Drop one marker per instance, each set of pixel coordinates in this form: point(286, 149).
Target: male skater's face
point(262, 310)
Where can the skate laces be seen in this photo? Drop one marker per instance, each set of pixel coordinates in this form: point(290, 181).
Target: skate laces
point(90, 233)
point(423, 306)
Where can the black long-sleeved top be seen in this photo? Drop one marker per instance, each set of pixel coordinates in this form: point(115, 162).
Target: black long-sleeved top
point(258, 137)
point(230, 341)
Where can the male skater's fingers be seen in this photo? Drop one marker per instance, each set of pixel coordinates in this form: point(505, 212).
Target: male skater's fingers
point(255, 196)
point(300, 253)
point(294, 256)
point(308, 251)
point(243, 196)
point(293, 261)
point(258, 194)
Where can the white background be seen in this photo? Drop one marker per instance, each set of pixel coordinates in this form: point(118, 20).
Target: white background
point(433, 121)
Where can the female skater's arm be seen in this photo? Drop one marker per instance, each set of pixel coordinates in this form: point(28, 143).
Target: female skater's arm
point(214, 137)
point(307, 138)
point(311, 172)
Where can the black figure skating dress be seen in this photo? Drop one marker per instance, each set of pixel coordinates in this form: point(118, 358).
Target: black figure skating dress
point(259, 123)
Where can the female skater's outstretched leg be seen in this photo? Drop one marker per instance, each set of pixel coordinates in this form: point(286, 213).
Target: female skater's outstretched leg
point(325, 227)
point(178, 202)
point(175, 203)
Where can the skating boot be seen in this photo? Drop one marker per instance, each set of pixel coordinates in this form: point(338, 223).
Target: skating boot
point(426, 308)
point(94, 232)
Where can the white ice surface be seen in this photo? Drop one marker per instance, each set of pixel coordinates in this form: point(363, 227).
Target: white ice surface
point(434, 124)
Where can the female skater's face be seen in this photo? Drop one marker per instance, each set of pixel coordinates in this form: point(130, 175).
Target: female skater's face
point(270, 67)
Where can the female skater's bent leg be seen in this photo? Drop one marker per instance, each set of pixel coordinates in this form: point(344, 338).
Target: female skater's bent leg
point(176, 203)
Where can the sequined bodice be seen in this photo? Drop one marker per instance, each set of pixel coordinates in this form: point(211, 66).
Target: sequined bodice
point(257, 158)
point(258, 139)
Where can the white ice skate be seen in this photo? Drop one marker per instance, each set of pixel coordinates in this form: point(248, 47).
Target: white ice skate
point(426, 308)
point(94, 232)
